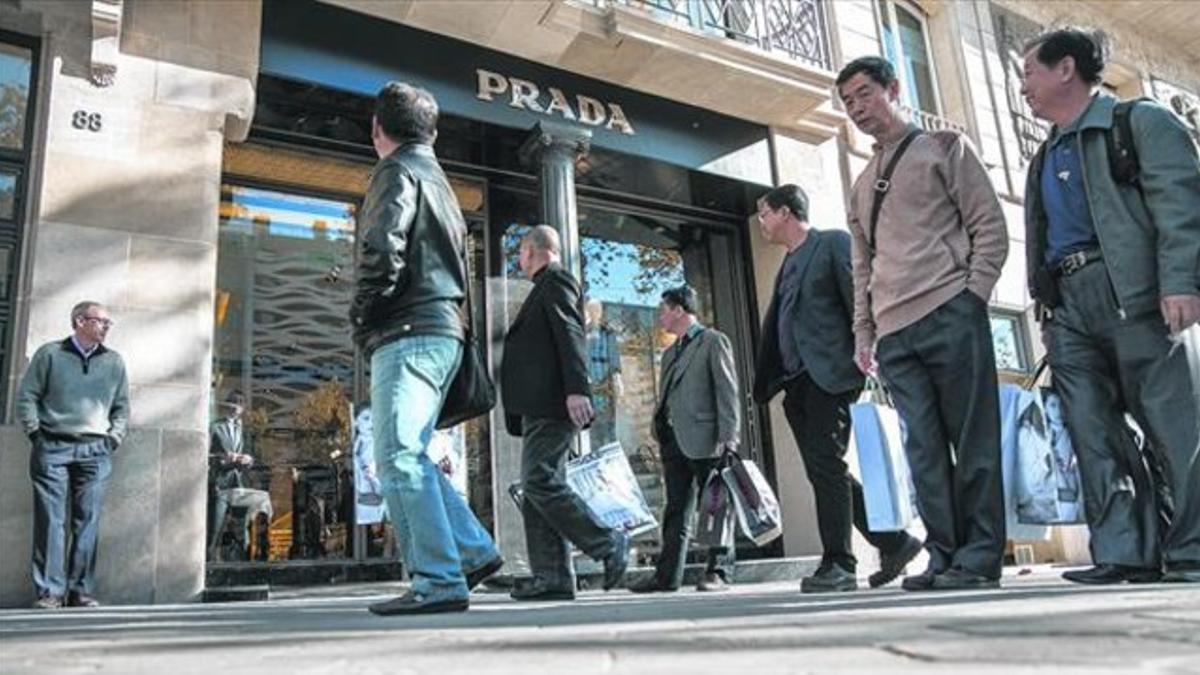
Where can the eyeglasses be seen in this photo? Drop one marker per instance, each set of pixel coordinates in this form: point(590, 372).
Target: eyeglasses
point(107, 323)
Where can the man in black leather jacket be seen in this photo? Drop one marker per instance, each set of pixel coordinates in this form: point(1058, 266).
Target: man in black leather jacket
point(407, 318)
point(547, 400)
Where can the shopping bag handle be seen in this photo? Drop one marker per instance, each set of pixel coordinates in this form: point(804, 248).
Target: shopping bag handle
point(877, 391)
point(1031, 381)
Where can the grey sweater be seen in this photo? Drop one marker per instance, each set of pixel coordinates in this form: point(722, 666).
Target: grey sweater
point(64, 394)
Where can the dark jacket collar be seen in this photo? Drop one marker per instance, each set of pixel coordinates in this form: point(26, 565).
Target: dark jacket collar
point(1097, 115)
point(69, 345)
point(541, 273)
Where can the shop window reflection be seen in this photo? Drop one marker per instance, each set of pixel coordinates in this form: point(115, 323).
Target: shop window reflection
point(284, 279)
point(16, 64)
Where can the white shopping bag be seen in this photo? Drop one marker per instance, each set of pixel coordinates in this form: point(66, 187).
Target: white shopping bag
point(887, 485)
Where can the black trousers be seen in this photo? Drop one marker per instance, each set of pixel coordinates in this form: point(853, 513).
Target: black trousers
point(820, 422)
point(685, 478)
point(554, 515)
point(942, 375)
point(1105, 366)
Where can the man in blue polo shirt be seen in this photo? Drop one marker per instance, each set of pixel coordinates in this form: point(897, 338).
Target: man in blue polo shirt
point(1117, 266)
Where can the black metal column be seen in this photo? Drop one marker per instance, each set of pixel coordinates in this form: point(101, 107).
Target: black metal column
point(554, 149)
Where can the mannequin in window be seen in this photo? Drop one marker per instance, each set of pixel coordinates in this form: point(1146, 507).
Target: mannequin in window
point(604, 371)
point(229, 461)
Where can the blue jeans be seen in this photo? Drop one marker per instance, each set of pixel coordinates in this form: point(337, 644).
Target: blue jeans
point(440, 538)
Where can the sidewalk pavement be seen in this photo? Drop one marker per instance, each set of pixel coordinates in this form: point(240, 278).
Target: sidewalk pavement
point(1036, 622)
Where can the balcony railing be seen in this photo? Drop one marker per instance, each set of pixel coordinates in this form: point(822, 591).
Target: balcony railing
point(795, 28)
point(931, 122)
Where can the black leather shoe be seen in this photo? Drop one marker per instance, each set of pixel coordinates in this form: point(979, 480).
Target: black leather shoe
point(81, 600)
point(650, 584)
point(712, 582)
point(1182, 573)
point(415, 603)
point(480, 575)
point(919, 582)
point(891, 565)
point(617, 562)
point(957, 579)
point(830, 578)
point(1112, 574)
point(537, 589)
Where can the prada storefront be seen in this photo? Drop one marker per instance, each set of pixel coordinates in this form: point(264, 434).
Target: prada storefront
point(648, 194)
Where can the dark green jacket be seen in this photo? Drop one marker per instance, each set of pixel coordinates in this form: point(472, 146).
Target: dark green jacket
point(1149, 237)
point(69, 396)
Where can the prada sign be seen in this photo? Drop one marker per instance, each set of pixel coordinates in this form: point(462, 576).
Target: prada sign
point(525, 95)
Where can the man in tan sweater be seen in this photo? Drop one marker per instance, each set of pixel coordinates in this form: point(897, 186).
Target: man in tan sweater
point(928, 245)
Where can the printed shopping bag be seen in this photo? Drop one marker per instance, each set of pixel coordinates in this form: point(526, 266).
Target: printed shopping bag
point(757, 509)
point(715, 518)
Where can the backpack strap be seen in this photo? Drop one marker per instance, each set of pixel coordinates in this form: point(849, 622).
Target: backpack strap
point(1122, 148)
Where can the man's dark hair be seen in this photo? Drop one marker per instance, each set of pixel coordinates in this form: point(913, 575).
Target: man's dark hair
point(406, 113)
point(876, 67)
point(1089, 48)
point(791, 196)
point(682, 296)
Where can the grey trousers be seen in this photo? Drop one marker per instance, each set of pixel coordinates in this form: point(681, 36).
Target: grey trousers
point(942, 375)
point(552, 513)
point(57, 467)
point(1104, 367)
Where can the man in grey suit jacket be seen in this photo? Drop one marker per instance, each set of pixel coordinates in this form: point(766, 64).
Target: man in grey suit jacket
point(697, 419)
point(807, 351)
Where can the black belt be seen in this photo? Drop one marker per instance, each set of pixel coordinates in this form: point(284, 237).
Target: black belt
point(1076, 261)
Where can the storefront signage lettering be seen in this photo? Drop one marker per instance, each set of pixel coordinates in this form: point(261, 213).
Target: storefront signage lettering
point(526, 95)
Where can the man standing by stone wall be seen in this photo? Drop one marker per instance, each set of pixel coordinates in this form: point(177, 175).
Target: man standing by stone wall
point(929, 244)
point(74, 405)
point(1115, 262)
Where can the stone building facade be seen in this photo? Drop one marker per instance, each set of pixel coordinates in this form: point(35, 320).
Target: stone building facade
point(150, 147)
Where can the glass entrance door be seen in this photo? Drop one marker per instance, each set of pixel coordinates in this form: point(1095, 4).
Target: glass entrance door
point(629, 258)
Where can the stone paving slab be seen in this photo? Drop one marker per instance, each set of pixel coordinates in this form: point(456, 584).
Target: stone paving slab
point(1036, 623)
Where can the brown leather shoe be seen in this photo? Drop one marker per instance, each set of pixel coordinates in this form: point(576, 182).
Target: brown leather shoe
point(81, 600)
point(48, 602)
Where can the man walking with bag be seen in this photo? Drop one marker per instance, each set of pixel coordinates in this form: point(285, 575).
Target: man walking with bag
point(74, 406)
point(696, 421)
point(929, 244)
point(407, 319)
point(1113, 238)
point(807, 351)
point(547, 400)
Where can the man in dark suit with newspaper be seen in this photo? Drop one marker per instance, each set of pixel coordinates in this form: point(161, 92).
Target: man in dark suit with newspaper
point(547, 400)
